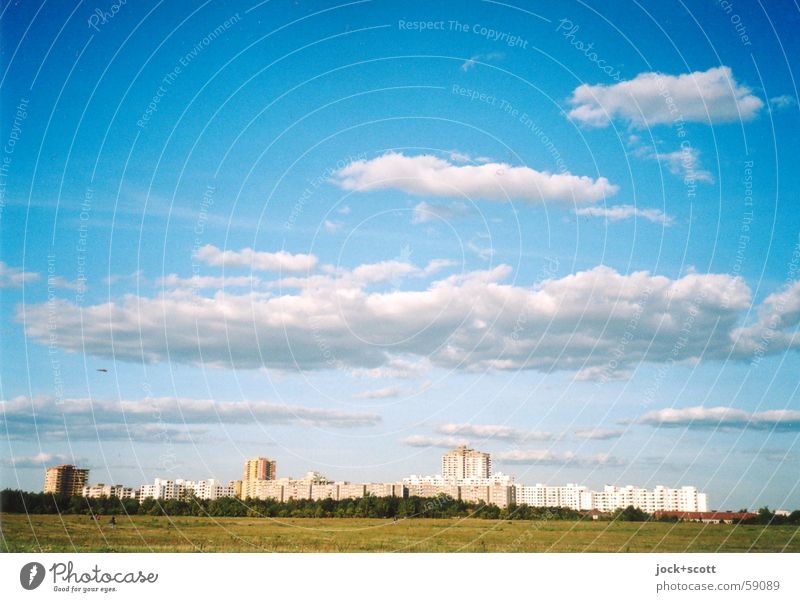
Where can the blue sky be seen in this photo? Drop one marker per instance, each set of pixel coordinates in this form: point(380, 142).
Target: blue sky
point(348, 236)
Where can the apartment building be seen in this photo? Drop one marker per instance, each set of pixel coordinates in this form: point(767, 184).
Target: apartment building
point(465, 463)
point(263, 490)
point(65, 479)
point(353, 490)
point(183, 489)
point(323, 491)
point(260, 469)
point(102, 490)
point(385, 489)
point(163, 489)
point(579, 497)
point(208, 489)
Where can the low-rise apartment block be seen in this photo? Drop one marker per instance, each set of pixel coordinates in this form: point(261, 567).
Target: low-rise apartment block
point(101, 490)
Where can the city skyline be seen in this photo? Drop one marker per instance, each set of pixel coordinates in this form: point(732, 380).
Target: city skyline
point(466, 475)
point(353, 236)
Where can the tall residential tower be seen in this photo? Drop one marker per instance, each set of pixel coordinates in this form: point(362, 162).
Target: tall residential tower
point(260, 469)
point(466, 463)
point(66, 479)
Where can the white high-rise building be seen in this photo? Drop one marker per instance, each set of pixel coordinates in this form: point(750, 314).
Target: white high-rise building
point(466, 463)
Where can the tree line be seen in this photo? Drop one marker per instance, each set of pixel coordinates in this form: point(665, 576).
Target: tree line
point(16, 501)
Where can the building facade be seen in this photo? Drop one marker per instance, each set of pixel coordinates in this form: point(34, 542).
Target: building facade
point(260, 469)
point(102, 490)
point(466, 463)
point(579, 497)
point(65, 479)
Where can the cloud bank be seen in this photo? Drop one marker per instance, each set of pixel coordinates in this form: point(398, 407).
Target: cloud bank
point(596, 322)
point(723, 418)
point(494, 431)
point(157, 418)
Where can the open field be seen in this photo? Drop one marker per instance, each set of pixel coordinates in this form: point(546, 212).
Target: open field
point(68, 533)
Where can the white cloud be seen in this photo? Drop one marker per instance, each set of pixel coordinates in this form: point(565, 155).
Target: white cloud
point(722, 418)
point(384, 393)
point(40, 460)
point(15, 277)
point(384, 271)
point(547, 457)
point(605, 373)
point(620, 212)
point(430, 175)
point(469, 321)
point(494, 431)
point(484, 252)
point(165, 417)
point(331, 226)
point(775, 329)
point(443, 442)
point(428, 212)
point(685, 163)
point(473, 60)
point(207, 282)
point(392, 270)
point(649, 99)
point(280, 261)
point(784, 101)
point(598, 433)
point(61, 282)
point(394, 368)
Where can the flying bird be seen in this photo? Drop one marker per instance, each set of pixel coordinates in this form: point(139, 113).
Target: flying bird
point(102, 369)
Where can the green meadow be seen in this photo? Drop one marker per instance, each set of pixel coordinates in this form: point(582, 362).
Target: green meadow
point(79, 533)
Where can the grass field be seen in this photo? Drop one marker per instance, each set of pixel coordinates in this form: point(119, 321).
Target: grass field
point(74, 533)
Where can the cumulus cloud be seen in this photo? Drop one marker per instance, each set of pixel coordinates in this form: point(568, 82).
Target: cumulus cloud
point(775, 329)
point(722, 418)
point(494, 431)
point(428, 212)
point(712, 96)
point(547, 457)
point(280, 261)
point(471, 321)
point(443, 442)
point(620, 212)
point(11, 277)
point(164, 418)
point(599, 434)
point(430, 175)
